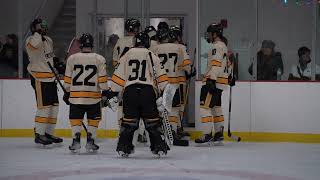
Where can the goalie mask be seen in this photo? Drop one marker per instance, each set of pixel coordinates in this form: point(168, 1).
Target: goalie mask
point(175, 34)
point(142, 39)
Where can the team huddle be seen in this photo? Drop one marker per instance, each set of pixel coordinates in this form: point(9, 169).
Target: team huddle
point(148, 87)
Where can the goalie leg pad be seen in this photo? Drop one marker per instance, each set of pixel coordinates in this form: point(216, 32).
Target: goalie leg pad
point(125, 138)
point(157, 139)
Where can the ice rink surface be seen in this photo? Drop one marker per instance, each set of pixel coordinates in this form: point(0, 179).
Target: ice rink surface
point(20, 158)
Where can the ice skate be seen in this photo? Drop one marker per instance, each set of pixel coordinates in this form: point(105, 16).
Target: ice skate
point(178, 141)
point(75, 146)
point(91, 147)
point(206, 138)
point(42, 140)
point(54, 139)
point(125, 150)
point(218, 139)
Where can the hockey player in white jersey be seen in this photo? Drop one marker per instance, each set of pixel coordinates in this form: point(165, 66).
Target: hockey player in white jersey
point(215, 80)
point(134, 77)
point(84, 79)
point(132, 26)
point(174, 59)
point(40, 51)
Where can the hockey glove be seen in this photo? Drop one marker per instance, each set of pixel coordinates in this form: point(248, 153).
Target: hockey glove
point(192, 73)
point(109, 94)
point(231, 80)
point(58, 65)
point(211, 84)
point(66, 97)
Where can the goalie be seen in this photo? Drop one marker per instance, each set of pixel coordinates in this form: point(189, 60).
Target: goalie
point(134, 75)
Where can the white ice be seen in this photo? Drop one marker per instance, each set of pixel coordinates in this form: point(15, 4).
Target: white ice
point(20, 158)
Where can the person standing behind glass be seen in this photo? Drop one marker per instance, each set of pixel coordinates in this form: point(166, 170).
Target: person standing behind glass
point(269, 62)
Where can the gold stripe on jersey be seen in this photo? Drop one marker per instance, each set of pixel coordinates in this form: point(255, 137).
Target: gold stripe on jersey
point(173, 80)
point(67, 79)
point(52, 120)
point(185, 62)
point(206, 119)
point(75, 122)
point(116, 79)
point(94, 123)
point(215, 62)
point(182, 79)
point(31, 47)
point(41, 119)
point(218, 119)
point(102, 79)
point(162, 78)
point(222, 80)
point(40, 75)
point(173, 119)
point(85, 94)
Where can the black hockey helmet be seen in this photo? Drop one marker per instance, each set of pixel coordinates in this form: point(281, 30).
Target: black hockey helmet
point(175, 33)
point(215, 28)
point(86, 40)
point(142, 39)
point(43, 23)
point(163, 31)
point(132, 25)
point(151, 31)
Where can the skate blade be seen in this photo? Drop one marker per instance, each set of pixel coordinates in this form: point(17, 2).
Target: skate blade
point(44, 146)
point(122, 154)
point(159, 154)
point(218, 143)
point(91, 151)
point(75, 151)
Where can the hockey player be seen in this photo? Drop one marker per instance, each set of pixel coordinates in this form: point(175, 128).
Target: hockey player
point(84, 79)
point(175, 35)
point(215, 79)
point(132, 26)
point(40, 51)
point(134, 76)
point(123, 45)
point(174, 59)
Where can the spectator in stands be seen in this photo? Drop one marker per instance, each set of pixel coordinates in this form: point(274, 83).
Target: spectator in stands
point(302, 71)
point(269, 62)
point(9, 57)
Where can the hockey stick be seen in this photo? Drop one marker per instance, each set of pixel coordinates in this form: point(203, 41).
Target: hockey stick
point(165, 122)
point(235, 138)
point(63, 89)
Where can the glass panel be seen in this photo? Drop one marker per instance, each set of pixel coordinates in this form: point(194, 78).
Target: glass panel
point(317, 49)
point(289, 27)
point(240, 31)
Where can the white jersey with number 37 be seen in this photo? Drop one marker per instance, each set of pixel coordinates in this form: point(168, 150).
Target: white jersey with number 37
point(174, 58)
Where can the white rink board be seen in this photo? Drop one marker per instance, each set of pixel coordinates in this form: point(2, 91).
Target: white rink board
point(256, 107)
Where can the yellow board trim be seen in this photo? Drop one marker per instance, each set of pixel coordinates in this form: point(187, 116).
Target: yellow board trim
point(245, 136)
